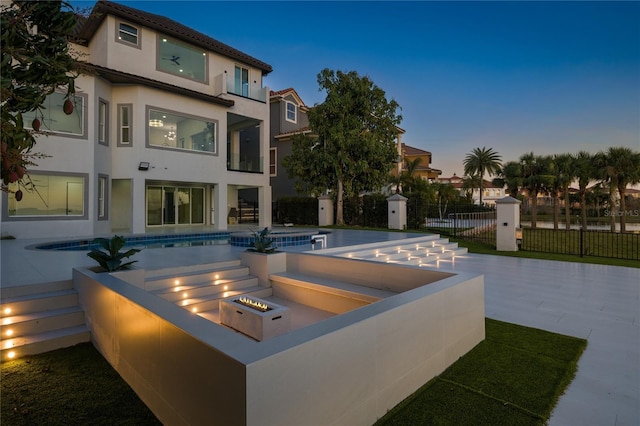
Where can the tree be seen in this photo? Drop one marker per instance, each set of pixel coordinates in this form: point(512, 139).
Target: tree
point(36, 61)
point(621, 168)
point(354, 147)
point(509, 175)
point(535, 179)
point(445, 193)
point(563, 175)
point(480, 161)
point(585, 171)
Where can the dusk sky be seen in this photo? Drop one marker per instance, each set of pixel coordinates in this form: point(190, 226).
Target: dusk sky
point(547, 77)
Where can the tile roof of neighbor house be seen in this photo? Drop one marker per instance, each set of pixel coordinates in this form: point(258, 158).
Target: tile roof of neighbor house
point(283, 92)
point(410, 150)
point(294, 132)
point(164, 25)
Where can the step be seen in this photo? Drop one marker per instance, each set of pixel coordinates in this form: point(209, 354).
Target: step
point(38, 302)
point(424, 240)
point(7, 292)
point(203, 289)
point(336, 287)
point(168, 272)
point(195, 277)
point(43, 342)
point(41, 322)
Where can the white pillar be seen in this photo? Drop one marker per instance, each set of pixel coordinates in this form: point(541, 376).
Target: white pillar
point(397, 211)
point(325, 210)
point(507, 222)
point(264, 203)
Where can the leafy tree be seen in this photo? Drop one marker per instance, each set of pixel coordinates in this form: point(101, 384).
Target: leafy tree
point(354, 144)
point(564, 174)
point(536, 179)
point(585, 171)
point(622, 167)
point(36, 61)
point(445, 193)
point(480, 161)
point(509, 175)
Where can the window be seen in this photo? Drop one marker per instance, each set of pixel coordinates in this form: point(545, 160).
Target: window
point(273, 156)
point(182, 60)
point(241, 81)
point(168, 205)
point(128, 34)
point(51, 194)
point(103, 193)
point(291, 112)
point(173, 131)
point(54, 119)
point(103, 122)
point(124, 124)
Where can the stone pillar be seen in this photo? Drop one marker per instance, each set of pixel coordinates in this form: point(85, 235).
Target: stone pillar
point(325, 210)
point(397, 211)
point(507, 222)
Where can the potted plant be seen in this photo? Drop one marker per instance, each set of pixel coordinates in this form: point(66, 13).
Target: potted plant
point(111, 258)
point(262, 259)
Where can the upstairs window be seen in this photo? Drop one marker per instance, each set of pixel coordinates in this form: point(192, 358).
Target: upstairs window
point(53, 118)
point(292, 112)
point(241, 79)
point(177, 131)
point(103, 122)
point(128, 34)
point(180, 59)
point(273, 158)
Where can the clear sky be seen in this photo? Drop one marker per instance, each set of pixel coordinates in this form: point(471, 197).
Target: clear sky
point(547, 77)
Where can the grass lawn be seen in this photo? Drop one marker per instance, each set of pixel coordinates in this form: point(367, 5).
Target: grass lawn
point(514, 377)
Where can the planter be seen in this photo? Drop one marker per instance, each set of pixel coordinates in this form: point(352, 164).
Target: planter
point(262, 265)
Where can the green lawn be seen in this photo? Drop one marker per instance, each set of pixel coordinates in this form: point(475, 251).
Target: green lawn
point(514, 377)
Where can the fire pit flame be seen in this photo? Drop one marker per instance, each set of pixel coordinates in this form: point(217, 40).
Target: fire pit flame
point(254, 304)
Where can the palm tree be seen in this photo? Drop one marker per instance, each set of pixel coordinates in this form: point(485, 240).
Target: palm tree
point(509, 175)
point(623, 168)
point(407, 176)
point(585, 172)
point(536, 179)
point(480, 161)
point(445, 192)
point(606, 175)
point(564, 175)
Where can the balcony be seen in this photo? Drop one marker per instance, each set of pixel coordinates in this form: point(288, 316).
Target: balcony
point(226, 84)
point(242, 163)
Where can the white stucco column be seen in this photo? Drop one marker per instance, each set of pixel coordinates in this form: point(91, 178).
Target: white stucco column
point(325, 210)
point(264, 203)
point(507, 221)
point(138, 191)
point(221, 209)
point(397, 211)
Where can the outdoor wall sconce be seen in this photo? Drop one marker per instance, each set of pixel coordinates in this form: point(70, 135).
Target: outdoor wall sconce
point(505, 224)
point(144, 166)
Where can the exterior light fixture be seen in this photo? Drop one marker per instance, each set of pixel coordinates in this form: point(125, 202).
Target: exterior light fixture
point(144, 166)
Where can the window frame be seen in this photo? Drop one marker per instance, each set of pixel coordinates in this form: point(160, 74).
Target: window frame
point(121, 126)
point(103, 122)
point(295, 112)
point(166, 39)
point(119, 30)
point(273, 165)
point(240, 90)
point(78, 97)
point(102, 195)
point(216, 136)
point(30, 218)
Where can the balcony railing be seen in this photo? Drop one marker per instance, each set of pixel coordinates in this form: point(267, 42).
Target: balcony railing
point(239, 164)
point(258, 94)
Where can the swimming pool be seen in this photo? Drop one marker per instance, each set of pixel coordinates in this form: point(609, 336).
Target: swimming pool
point(238, 239)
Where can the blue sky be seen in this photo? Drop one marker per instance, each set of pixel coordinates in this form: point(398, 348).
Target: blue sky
point(547, 77)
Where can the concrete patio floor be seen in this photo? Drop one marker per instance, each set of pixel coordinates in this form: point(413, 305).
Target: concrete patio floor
point(600, 303)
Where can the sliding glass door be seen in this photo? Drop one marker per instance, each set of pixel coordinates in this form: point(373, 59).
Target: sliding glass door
point(169, 205)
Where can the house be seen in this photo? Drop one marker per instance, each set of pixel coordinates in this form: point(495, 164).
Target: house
point(490, 192)
point(409, 154)
point(167, 128)
point(288, 117)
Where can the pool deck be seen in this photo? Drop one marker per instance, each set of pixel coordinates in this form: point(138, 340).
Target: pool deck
point(600, 303)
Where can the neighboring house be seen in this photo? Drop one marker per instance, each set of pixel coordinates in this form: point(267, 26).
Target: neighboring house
point(167, 129)
point(490, 194)
point(288, 117)
point(424, 169)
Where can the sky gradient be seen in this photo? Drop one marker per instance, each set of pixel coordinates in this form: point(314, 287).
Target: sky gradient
point(547, 77)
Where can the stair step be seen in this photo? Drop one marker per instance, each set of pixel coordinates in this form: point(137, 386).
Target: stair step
point(169, 272)
point(212, 301)
point(38, 302)
point(24, 290)
point(196, 277)
point(43, 342)
point(41, 322)
point(204, 289)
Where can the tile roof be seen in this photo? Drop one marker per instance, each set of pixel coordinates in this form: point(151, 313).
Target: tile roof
point(410, 150)
point(119, 77)
point(166, 26)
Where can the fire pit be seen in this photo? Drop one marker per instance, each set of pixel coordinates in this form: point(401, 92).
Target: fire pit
point(255, 317)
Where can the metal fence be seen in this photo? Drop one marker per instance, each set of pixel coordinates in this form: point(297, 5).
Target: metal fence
point(463, 221)
point(618, 245)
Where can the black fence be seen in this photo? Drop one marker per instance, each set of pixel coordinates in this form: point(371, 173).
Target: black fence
point(464, 221)
point(617, 245)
